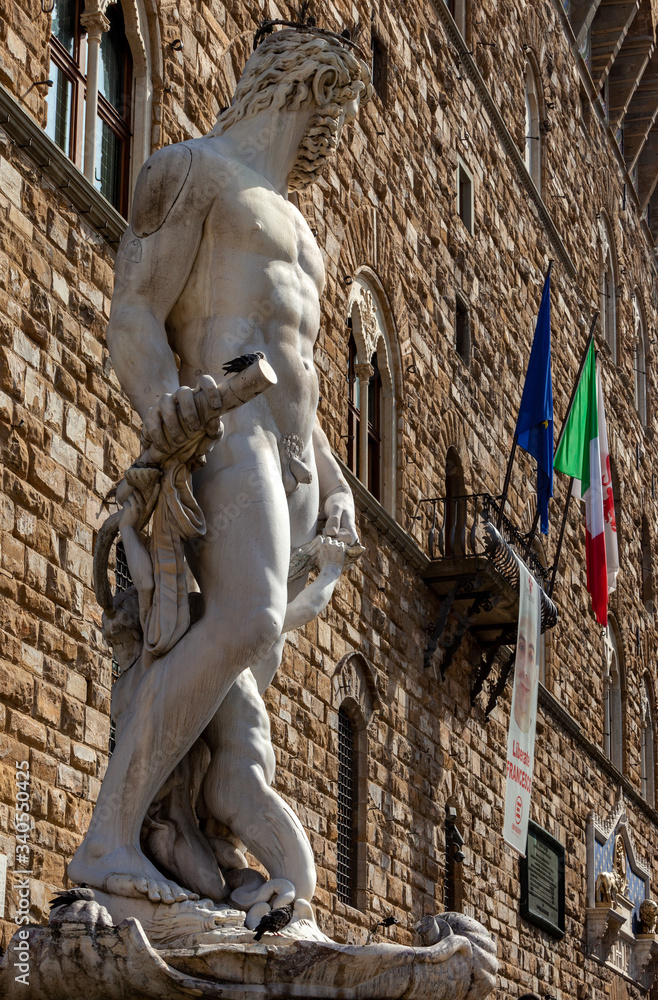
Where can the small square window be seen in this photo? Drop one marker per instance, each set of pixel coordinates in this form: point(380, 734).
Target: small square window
point(465, 196)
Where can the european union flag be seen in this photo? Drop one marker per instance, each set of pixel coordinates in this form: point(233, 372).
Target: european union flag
point(534, 428)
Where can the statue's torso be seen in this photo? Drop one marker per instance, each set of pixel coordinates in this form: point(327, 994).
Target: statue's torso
point(255, 286)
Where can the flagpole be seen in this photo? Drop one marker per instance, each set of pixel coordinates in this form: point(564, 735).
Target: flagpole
point(508, 474)
point(563, 526)
point(560, 539)
point(533, 529)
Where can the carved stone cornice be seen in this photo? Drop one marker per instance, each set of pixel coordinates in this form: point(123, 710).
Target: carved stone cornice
point(587, 82)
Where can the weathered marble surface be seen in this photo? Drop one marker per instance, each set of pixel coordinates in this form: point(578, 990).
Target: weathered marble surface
point(93, 961)
point(218, 272)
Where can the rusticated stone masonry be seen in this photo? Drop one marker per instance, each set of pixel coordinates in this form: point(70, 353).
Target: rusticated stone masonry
point(389, 204)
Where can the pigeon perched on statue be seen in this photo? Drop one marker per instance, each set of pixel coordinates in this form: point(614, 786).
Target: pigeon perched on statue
point(64, 897)
point(274, 921)
point(239, 364)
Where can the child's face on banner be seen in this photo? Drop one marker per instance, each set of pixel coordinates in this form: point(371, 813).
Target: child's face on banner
point(525, 677)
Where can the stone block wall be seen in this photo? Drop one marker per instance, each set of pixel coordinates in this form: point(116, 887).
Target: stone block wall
point(67, 432)
point(389, 203)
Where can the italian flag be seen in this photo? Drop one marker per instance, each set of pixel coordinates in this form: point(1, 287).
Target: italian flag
point(583, 454)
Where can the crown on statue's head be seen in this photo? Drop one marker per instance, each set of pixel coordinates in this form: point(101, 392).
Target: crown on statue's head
point(307, 24)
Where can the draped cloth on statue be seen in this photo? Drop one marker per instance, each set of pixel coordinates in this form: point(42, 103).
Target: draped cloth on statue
point(177, 518)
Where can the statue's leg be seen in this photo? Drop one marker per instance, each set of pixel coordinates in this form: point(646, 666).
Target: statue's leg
point(242, 573)
point(236, 788)
point(171, 837)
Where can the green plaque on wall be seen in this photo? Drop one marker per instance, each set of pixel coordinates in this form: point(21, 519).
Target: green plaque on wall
point(542, 881)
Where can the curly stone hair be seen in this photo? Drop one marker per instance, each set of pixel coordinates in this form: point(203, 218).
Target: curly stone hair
point(280, 74)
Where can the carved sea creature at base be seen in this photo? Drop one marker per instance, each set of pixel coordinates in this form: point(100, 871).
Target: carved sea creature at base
point(84, 958)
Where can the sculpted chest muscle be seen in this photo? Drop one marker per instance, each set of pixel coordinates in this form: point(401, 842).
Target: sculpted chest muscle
point(257, 261)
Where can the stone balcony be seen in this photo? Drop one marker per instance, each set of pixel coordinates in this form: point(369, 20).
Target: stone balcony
point(474, 551)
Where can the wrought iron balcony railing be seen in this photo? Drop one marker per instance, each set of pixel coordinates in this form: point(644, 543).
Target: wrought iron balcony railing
point(449, 527)
point(475, 553)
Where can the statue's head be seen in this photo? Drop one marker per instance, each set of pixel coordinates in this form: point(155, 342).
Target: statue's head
point(294, 70)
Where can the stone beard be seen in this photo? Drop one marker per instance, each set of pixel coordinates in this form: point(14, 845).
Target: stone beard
point(318, 145)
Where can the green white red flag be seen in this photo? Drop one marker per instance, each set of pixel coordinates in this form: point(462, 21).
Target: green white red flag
point(583, 454)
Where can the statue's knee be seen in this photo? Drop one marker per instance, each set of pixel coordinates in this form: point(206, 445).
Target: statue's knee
point(258, 632)
point(242, 641)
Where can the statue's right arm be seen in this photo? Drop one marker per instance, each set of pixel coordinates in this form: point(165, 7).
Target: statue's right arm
point(153, 264)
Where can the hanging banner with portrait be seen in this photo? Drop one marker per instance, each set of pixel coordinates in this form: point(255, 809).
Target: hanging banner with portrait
point(523, 717)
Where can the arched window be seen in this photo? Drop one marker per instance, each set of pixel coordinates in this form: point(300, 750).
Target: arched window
point(640, 363)
point(355, 698)
point(379, 67)
point(607, 288)
point(532, 120)
point(346, 875)
point(648, 759)
point(90, 113)
point(371, 442)
point(613, 728)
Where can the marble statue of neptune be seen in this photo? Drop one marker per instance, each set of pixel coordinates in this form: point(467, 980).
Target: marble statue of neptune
point(218, 264)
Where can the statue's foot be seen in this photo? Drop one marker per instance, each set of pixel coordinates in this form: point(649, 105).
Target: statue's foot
point(125, 871)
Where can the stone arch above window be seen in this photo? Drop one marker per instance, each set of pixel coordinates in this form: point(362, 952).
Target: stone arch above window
point(451, 434)
point(372, 442)
point(355, 682)
point(639, 359)
point(533, 118)
point(608, 284)
point(613, 697)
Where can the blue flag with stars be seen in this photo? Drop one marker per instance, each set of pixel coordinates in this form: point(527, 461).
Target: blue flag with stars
point(534, 427)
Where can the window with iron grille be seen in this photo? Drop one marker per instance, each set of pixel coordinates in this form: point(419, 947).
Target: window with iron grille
point(346, 883)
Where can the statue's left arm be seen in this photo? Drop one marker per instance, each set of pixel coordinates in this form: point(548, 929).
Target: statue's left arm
point(329, 558)
point(336, 500)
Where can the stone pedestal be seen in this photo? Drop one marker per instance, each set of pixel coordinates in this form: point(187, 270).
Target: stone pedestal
point(85, 960)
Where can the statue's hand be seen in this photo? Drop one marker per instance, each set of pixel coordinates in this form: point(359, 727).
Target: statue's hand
point(330, 553)
point(130, 512)
point(179, 416)
point(338, 508)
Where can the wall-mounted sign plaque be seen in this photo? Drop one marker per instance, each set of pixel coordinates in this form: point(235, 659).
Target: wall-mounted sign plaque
point(542, 881)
